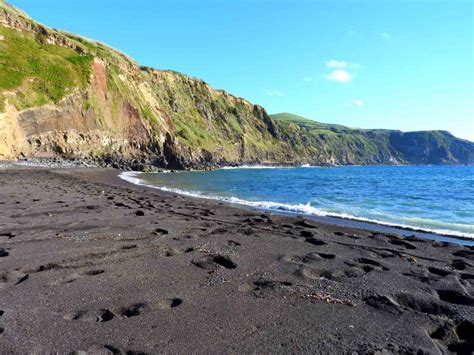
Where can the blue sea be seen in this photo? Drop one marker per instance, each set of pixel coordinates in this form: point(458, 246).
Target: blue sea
point(435, 199)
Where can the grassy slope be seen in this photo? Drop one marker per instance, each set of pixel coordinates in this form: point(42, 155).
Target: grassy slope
point(34, 72)
point(362, 146)
point(41, 72)
point(211, 119)
point(339, 143)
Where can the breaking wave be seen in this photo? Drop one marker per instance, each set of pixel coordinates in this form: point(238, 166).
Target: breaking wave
point(438, 227)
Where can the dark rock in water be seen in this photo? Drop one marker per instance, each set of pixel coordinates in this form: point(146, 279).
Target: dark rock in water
point(139, 213)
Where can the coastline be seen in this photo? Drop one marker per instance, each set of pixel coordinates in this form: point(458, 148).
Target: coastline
point(92, 263)
point(343, 220)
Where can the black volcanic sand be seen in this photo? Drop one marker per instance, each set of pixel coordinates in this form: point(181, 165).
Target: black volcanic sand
point(89, 263)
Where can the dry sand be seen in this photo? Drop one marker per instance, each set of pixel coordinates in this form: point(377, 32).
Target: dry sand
point(91, 263)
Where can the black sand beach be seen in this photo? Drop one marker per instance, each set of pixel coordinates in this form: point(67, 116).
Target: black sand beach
point(91, 263)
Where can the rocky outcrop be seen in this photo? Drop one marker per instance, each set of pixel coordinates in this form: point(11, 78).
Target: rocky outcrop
point(98, 105)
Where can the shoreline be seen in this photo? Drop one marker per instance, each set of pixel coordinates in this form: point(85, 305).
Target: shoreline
point(92, 263)
point(350, 221)
point(140, 166)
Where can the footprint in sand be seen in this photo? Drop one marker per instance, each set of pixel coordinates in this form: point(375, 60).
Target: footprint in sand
point(408, 302)
point(306, 224)
point(263, 287)
point(456, 338)
point(371, 263)
point(7, 235)
point(347, 235)
point(402, 243)
point(214, 261)
point(455, 297)
point(130, 311)
point(109, 349)
point(169, 303)
point(122, 312)
point(82, 315)
point(315, 241)
point(458, 264)
point(439, 272)
point(15, 277)
point(105, 316)
point(160, 231)
point(73, 277)
point(1, 315)
point(327, 256)
point(467, 254)
point(93, 272)
point(306, 234)
point(467, 277)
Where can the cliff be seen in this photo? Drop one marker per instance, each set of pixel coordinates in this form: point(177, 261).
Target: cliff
point(65, 96)
point(340, 145)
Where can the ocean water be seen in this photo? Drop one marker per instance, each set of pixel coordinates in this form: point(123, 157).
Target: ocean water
point(436, 199)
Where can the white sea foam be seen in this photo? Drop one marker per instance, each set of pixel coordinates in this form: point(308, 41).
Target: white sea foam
point(254, 167)
point(307, 209)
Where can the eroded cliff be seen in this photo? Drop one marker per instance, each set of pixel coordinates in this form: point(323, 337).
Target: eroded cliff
point(65, 96)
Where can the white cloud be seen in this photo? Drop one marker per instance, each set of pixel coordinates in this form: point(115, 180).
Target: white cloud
point(337, 64)
point(341, 70)
point(307, 79)
point(276, 93)
point(339, 75)
point(358, 102)
point(386, 35)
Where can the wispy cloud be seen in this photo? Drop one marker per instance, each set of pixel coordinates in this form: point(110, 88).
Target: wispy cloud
point(358, 102)
point(308, 79)
point(339, 75)
point(341, 71)
point(276, 93)
point(386, 35)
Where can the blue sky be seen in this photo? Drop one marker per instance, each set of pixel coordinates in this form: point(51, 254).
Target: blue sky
point(372, 64)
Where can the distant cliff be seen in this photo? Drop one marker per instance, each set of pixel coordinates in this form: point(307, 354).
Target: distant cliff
point(65, 96)
point(336, 144)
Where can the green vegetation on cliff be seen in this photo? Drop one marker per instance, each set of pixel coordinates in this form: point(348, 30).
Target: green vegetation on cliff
point(338, 144)
point(41, 72)
point(86, 99)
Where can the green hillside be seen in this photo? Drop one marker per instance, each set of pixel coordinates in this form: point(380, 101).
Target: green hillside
point(64, 96)
point(343, 145)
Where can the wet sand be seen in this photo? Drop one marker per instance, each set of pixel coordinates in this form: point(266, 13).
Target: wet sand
point(91, 263)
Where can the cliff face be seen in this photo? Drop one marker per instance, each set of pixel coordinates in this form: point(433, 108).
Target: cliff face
point(64, 96)
point(335, 144)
